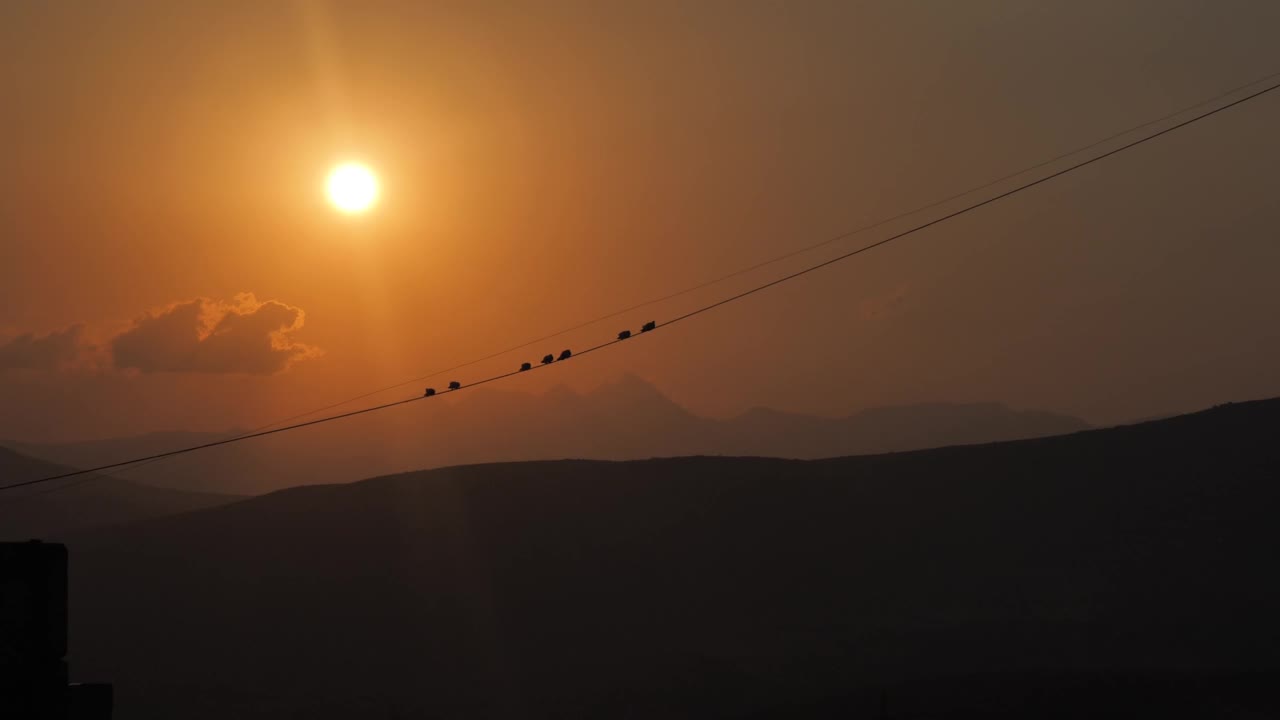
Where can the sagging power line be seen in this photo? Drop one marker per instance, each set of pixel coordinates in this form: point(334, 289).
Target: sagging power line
point(743, 271)
point(626, 334)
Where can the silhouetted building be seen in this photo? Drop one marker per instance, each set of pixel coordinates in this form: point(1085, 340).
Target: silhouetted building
point(33, 639)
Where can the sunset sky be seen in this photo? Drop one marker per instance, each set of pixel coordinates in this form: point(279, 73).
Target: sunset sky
point(169, 260)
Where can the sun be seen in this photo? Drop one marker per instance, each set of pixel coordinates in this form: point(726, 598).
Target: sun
point(352, 188)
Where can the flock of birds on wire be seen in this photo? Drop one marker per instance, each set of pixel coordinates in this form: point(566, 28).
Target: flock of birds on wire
point(548, 358)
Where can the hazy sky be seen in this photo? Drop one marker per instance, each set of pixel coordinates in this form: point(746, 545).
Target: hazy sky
point(543, 164)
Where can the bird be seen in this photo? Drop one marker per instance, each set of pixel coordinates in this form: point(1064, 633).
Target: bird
point(454, 385)
point(649, 326)
point(429, 392)
point(624, 334)
point(566, 354)
point(525, 366)
point(548, 359)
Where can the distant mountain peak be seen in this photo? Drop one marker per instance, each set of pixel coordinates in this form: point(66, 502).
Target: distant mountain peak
point(560, 391)
point(635, 391)
point(629, 380)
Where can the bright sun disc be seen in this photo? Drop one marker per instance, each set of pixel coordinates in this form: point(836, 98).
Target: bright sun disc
point(352, 188)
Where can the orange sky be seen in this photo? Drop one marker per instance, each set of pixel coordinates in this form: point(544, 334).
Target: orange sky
point(542, 167)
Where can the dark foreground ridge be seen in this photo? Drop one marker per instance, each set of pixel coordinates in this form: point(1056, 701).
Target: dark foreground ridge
point(1119, 573)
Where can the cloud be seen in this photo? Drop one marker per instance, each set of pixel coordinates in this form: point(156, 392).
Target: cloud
point(209, 336)
point(47, 352)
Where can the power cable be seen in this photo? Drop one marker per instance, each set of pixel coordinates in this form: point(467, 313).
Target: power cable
point(776, 259)
point(685, 316)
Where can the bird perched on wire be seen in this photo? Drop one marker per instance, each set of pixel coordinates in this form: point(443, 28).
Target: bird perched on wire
point(548, 359)
point(624, 334)
point(649, 326)
point(525, 366)
point(429, 392)
point(454, 385)
point(565, 354)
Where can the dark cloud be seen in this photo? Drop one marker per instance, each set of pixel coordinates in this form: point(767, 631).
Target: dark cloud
point(244, 336)
point(47, 352)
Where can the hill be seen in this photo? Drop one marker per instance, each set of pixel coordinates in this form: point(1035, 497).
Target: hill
point(626, 419)
point(1120, 572)
point(53, 510)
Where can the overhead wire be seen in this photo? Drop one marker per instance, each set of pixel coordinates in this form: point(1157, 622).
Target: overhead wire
point(698, 311)
point(777, 258)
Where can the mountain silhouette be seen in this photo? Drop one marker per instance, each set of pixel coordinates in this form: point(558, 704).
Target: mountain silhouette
point(50, 511)
point(1122, 572)
point(621, 420)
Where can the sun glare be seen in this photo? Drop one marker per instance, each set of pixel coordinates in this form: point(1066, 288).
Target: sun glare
point(352, 188)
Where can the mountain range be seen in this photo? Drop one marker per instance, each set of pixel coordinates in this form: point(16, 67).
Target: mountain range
point(625, 419)
point(1122, 572)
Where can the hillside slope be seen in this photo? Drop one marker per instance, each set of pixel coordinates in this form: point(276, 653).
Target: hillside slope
point(711, 587)
point(49, 511)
